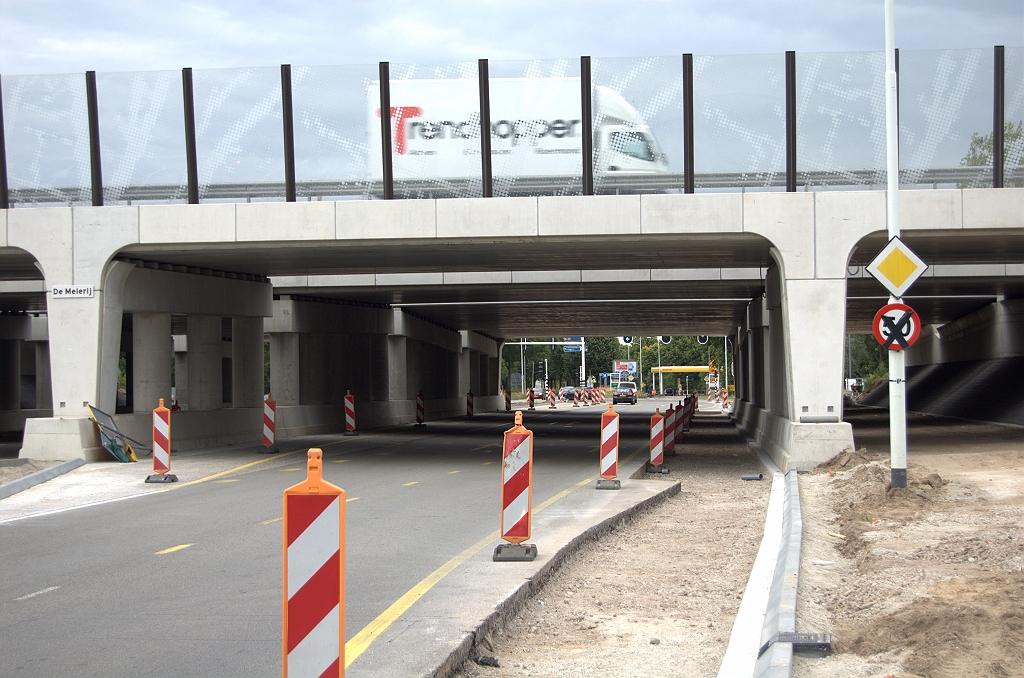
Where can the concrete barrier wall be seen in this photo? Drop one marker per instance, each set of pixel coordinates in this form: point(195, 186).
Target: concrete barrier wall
point(14, 420)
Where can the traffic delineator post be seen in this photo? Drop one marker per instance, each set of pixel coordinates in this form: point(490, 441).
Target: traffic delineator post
point(657, 443)
point(469, 405)
point(529, 398)
point(516, 494)
point(162, 446)
point(269, 426)
point(313, 610)
point(551, 398)
point(421, 407)
point(575, 397)
point(682, 419)
point(609, 451)
point(670, 430)
point(508, 400)
point(350, 414)
point(586, 397)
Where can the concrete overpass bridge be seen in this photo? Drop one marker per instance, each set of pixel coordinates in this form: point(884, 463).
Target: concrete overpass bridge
point(390, 297)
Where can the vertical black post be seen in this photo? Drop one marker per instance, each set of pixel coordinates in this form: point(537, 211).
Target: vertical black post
point(790, 122)
point(5, 196)
point(289, 133)
point(587, 115)
point(94, 138)
point(385, 130)
point(483, 75)
point(191, 164)
point(998, 102)
point(688, 181)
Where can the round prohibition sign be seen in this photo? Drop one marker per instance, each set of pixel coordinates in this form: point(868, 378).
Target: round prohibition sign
point(896, 326)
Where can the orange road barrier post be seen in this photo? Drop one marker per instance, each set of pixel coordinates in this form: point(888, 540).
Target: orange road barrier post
point(516, 494)
point(576, 397)
point(350, 414)
point(313, 610)
point(670, 430)
point(586, 397)
point(682, 419)
point(162, 446)
point(269, 426)
point(657, 443)
point(469, 405)
point(609, 450)
point(421, 410)
point(551, 398)
point(508, 400)
point(529, 398)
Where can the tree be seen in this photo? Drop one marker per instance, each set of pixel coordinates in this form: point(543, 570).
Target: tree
point(979, 153)
point(602, 352)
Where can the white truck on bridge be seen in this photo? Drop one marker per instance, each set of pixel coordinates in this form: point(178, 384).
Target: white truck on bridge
point(536, 129)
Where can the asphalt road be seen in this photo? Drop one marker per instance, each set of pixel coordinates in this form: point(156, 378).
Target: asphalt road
point(416, 498)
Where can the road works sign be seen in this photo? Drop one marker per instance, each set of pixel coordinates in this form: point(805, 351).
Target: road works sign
point(896, 326)
point(897, 267)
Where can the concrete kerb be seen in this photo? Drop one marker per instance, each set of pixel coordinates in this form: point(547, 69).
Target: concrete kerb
point(517, 599)
point(33, 479)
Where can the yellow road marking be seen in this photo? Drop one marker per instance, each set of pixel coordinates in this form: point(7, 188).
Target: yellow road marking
point(228, 480)
point(172, 549)
point(486, 463)
point(340, 461)
point(484, 447)
point(288, 470)
point(369, 633)
point(272, 520)
point(453, 472)
point(408, 484)
point(351, 499)
point(231, 470)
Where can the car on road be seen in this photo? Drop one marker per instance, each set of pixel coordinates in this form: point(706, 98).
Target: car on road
point(669, 392)
point(625, 392)
point(568, 392)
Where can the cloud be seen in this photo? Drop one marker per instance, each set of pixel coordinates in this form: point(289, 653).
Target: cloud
point(41, 36)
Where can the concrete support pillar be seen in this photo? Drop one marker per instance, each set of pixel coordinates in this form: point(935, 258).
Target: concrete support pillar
point(247, 362)
point(814, 357)
point(465, 371)
point(284, 367)
point(44, 391)
point(312, 368)
point(777, 356)
point(180, 344)
point(10, 374)
point(152, 351)
point(205, 363)
point(474, 373)
point(398, 368)
point(415, 367)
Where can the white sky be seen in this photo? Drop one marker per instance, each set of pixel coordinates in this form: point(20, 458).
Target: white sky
point(63, 36)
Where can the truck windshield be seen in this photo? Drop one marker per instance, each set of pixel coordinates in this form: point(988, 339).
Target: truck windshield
point(633, 144)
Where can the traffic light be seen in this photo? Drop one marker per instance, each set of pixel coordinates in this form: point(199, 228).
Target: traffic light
point(665, 340)
point(627, 340)
point(702, 338)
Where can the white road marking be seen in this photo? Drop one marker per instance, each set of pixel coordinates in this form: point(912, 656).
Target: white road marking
point(38, 593)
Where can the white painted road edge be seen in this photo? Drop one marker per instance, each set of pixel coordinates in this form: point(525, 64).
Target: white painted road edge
point(745, 640)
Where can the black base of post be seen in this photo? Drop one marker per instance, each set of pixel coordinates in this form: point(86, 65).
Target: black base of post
point(270, 450)
point(651, 468)
point(511, 553)
point(162, 478)
point(899, 478)
point(420, 425)
point(613, 484)
point(350, 433)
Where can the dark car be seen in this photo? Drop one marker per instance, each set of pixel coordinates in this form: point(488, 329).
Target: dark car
point(625, 392)
point(669, 392)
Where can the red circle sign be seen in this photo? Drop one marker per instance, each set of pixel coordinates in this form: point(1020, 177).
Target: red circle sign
point(896, 326)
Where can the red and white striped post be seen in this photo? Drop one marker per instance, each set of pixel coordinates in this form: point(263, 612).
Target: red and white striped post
point(575, 397)
point(586, 397)
point(609, 450)
point(529, 398)
point(670, 430)
point(269, 425)
point(508, 400)
point(313, 614)
point(161, 446)
point(421, 407)
point(516, 494)
point(469, 405)
point(551, 398)
point(350, 414)
point(681, 420)
point(657, 443)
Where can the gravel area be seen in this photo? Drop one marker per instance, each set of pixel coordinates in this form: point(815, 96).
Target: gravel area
point(659, 595)
point(9, 473)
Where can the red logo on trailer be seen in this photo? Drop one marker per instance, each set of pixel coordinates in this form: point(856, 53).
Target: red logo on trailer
point(896, 326)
